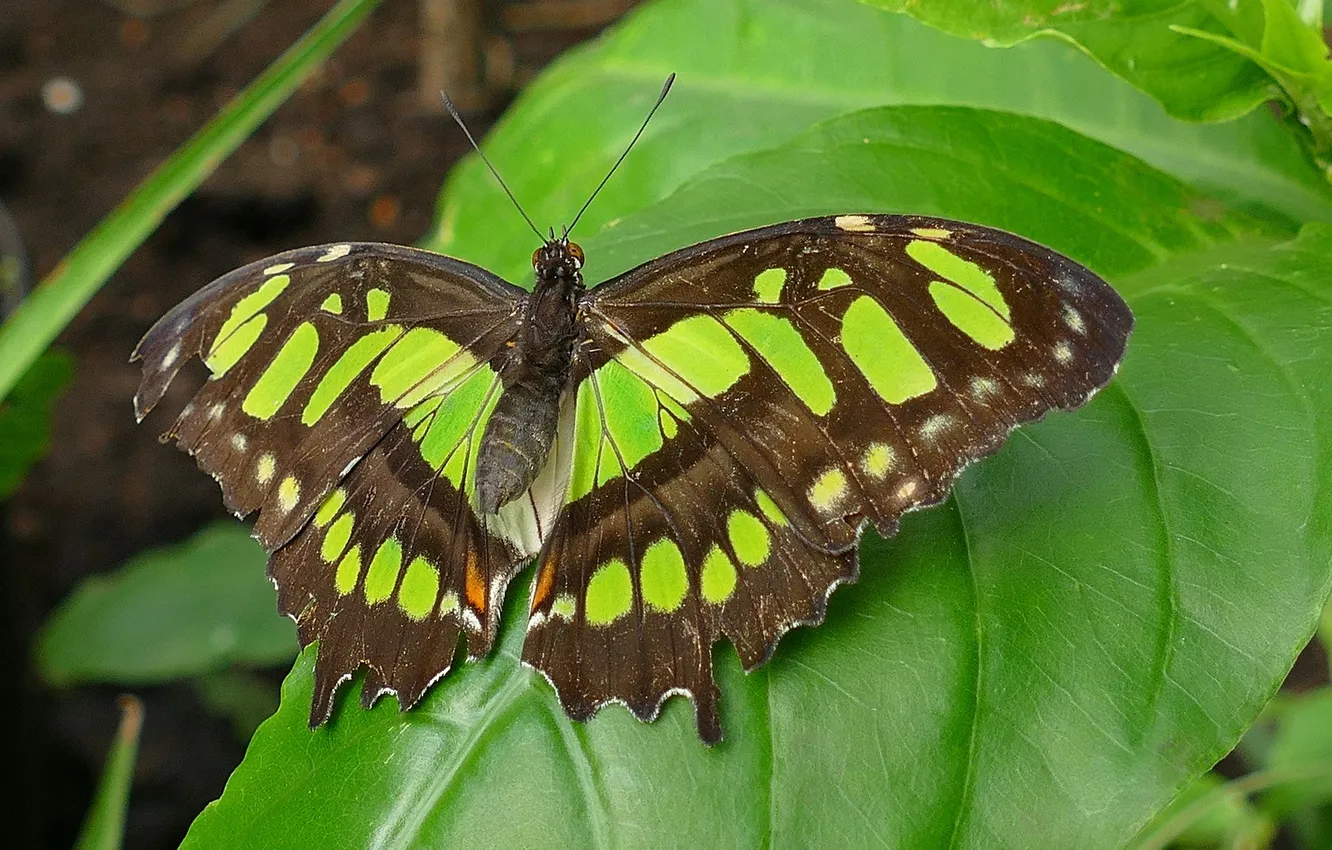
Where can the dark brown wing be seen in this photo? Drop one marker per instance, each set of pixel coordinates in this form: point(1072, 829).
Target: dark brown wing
point(749, 402)
point(349, 387)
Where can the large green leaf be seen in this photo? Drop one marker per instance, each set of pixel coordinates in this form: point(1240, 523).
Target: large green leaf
point(181, 611)
point(757, 74)
point(1042, 662)
point(1193, 78)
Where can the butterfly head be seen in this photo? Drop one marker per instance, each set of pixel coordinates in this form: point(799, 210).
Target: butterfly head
point(559, 260)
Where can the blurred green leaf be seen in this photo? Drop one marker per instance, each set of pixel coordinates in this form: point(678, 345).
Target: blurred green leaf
point(1302, 743)
point(25, 417)
point(1043, 662)
point(1194, 79)
point(1210, 812)
point(104, 827)
point(58, 298)
point(168, 614)
point(758, 74)
point(239, 696)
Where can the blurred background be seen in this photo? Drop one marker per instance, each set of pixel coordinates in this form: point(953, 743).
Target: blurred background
point(93, 96)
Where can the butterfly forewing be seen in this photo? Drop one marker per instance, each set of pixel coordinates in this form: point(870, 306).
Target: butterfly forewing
point(751, 400)
point(348, 391)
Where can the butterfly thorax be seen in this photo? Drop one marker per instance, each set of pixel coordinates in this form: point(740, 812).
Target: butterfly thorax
point(519, 434)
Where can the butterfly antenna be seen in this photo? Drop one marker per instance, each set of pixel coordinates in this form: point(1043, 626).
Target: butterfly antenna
point(665, 89)
point(453, 110)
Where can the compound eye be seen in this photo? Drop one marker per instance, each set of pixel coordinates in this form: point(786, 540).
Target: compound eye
point(536, 258)
point(576, 252)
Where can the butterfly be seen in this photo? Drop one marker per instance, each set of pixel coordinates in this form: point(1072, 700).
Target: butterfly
point(690, 451)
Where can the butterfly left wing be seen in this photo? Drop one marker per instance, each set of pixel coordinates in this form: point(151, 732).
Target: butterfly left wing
point(349, 389)
point(745, 405)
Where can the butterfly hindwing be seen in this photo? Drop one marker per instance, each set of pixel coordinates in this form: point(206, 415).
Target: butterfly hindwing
point(348, 392)
point(768, 392)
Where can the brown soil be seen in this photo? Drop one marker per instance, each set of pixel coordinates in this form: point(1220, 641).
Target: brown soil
point(352, 155)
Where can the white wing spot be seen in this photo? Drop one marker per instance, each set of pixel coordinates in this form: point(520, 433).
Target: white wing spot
point(907, 490)
point(1063, 352)
point(983, 387)
point(239, 442)
point(854, 223)
point(935, 425)
point(335, 252)
point(170, 358)
point(1073, 319)
point(1035, 380)
point(279, 268)
point(215, 412)
point(265, 467)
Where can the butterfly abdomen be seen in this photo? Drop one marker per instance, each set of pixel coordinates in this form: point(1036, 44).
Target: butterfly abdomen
point(516, 442)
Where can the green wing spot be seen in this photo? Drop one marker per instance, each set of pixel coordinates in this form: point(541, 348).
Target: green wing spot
point(419, 588)
point(883, 354)
point(329, 509)
point(348, 572)
point(627, 402)
point(769, 508)
point(332, 304)
point(340, 375)
point(749, 538)
point(249, 306)
point(419, 364)
point(448, 604)
point(932, 232)
point(834, 278)
point(376, 308)
point(971, 316)
point(695, 356)
point(564, 606)
point(228, 352)
point(829, 490)
point(768, 285)
point(662, 576)
point(719, 578)
point(443, 436)
point(335, 539)
point(783, 348)
point(382, 574)
point(964, 273)
point(290, 365)
point(610, 593)
point(587, 443)
point(879, 459)
point(289, 493)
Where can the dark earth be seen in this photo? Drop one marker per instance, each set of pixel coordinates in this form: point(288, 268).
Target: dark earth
point(355, 154)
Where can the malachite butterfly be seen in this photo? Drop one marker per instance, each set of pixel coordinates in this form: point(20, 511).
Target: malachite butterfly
point(690, 450)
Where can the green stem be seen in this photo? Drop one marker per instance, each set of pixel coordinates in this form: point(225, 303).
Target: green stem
point(51, 306)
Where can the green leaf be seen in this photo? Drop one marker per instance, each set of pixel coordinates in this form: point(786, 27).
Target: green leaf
point(170, 613)
point(1302, 748)
point(759, 74)
point(1044, 661)
point(25, 417)
point(104, 827)
point(1210, 812)
point(41, 316)
point(1193, 79)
